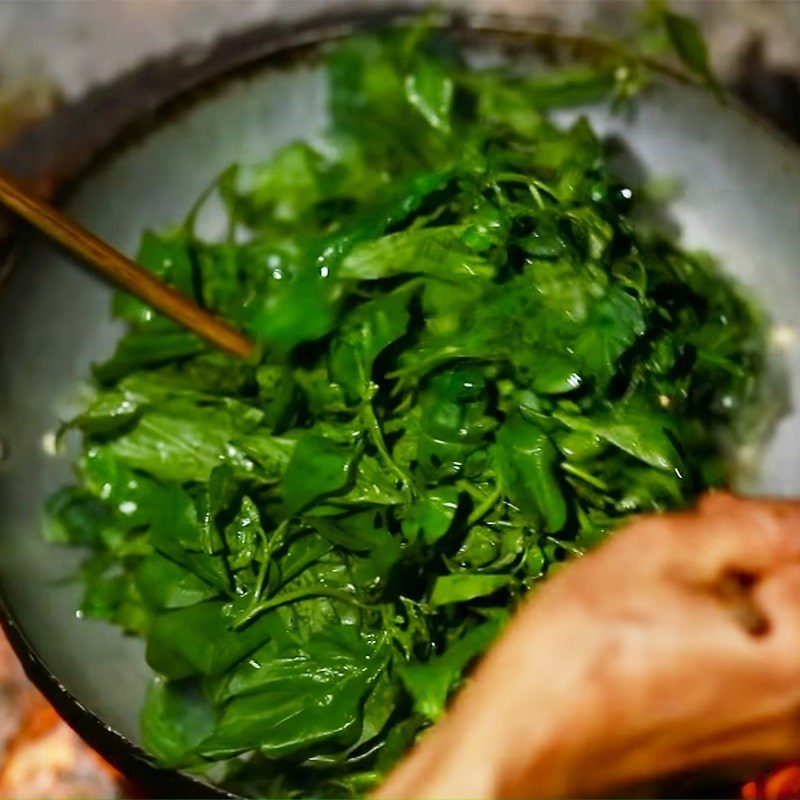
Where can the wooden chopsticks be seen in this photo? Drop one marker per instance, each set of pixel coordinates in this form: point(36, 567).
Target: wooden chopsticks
point(121, 270)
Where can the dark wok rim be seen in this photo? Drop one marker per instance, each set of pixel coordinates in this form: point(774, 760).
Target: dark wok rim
point(56, 154)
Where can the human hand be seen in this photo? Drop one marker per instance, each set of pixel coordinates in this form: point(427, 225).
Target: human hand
point(674, 646)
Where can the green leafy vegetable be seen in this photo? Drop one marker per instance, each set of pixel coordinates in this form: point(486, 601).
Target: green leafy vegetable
point(528, 464)
point(474, 366)
point(460, 587)
point(431, 683)
point(689, 43)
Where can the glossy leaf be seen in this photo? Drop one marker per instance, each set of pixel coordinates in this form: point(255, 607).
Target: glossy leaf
point(317, 468)
point(303, 699)
point(528, 464)
point(431, 683)
point(690, 45)
point(175, 720)
point(461, 587)
point(640, 433)
point(429, 88)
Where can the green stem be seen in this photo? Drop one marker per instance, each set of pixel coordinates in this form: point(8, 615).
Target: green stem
point(293, 597)
point(468, 488)
point(585, 476)
point(376, 434)
point(486, 505)
point(404, 405)
point(269, 547)
point(570, 547)
point(536, 195)
point(260, 581)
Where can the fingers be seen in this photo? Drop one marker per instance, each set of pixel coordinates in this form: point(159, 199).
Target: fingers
point(727, 534)
point(749, 536)
point(721, 504)
point(778, 596)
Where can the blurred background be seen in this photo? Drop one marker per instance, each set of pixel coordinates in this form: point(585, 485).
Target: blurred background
point(53, 51)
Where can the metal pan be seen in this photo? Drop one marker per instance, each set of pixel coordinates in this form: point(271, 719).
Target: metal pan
point(135, 155)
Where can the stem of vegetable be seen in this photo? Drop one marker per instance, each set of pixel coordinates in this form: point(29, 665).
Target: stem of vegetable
point(376, 434)
point(585, 476)
point(486, 505)
point(293, 597)
point(269, 546)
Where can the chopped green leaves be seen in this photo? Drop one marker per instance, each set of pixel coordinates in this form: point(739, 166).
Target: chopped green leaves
point(473, 367)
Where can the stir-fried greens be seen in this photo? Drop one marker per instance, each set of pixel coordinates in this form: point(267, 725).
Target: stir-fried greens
point(474, 366)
